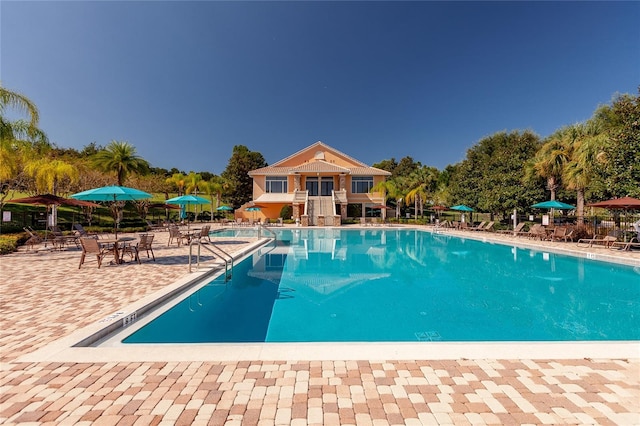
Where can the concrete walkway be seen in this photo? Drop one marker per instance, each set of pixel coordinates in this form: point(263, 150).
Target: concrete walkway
point(45, 298)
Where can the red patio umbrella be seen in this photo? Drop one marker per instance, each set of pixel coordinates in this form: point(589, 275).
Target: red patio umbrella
point(50, 200)
point(624, 203)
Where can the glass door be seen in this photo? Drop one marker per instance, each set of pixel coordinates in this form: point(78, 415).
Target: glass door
point(326, 186)
point(312, 186)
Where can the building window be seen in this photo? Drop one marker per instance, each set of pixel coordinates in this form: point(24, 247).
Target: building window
point(361, 184)
point(277, 184)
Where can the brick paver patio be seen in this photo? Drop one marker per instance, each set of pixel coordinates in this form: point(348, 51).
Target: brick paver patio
point(45, 297)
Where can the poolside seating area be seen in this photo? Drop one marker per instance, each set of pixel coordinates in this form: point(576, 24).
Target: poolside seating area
point(498, 390)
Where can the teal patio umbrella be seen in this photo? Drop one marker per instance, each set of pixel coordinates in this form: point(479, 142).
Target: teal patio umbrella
point(253, 209)
point(187, 200)
point(461, 208)
point(225, 208)
point(112, 194)
point(553, 204)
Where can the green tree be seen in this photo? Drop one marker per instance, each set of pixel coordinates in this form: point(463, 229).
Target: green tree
point(20, 103)
point(21, 141)
point(48, 174)
point(121, 158)
point(179, 181)
point(585, 144)
point(621, 159)
point(491, 177)
point(193, 181)
point(550, 160)
point(423, 183)
point(242, 161)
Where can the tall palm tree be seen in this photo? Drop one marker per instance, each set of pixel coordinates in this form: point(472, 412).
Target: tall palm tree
point(121, 158)
point(20, 140)
point(20, 103)
point(193, 181)
point(423, 182)
point(179, 180)
point(214, 187)
point(48, 173)
point(550, 160)
point(585, 144)
point(387, 188)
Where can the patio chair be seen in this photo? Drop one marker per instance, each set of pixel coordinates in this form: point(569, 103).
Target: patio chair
point(145, 243)
point(175, 234)
point(91, 246)
point(625, 246)
point(33, 238)
point(204, 232)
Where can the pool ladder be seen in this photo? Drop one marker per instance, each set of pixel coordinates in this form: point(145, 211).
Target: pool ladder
point(216, 251)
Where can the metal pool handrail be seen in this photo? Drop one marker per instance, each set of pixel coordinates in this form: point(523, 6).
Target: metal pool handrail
point(264, 228)
point(226, 257)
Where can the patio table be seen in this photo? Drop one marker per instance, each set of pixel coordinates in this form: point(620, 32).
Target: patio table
point(116, 246)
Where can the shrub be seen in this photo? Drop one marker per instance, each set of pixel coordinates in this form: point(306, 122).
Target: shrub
point(9, 243)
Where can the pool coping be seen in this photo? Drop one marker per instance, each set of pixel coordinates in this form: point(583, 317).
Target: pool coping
point(67, 349)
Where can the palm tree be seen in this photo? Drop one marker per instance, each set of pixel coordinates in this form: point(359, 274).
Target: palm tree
point(20, 140)
point(423, 182)
point(179, 180)
point(586, 144)
point(120, 157)
point(550, 160)
point(193, 181)
point(48, 173)
point(20, 103)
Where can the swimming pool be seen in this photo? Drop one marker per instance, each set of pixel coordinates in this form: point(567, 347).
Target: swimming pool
point(381, 285)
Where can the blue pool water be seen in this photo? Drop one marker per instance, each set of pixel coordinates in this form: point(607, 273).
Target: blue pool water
point(319, 285)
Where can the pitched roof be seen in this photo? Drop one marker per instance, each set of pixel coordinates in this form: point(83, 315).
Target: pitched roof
point(315, 147)
point(319, 166)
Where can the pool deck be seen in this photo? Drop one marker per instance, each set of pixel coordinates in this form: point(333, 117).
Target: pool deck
point(47, 302)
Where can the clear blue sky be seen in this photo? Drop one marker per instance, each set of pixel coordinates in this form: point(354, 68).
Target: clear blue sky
point(186, 81)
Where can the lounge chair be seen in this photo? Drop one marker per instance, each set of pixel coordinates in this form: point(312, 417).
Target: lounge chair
point(515, 231)
point(487, 228)
point(33, 238)
point(537, 232)
point(625, 246)
point(80, 231)
point(91, 246)
point(477, 228)
point(60, 240)
point(605, 241)
point(561, 233)
point(153, 227)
